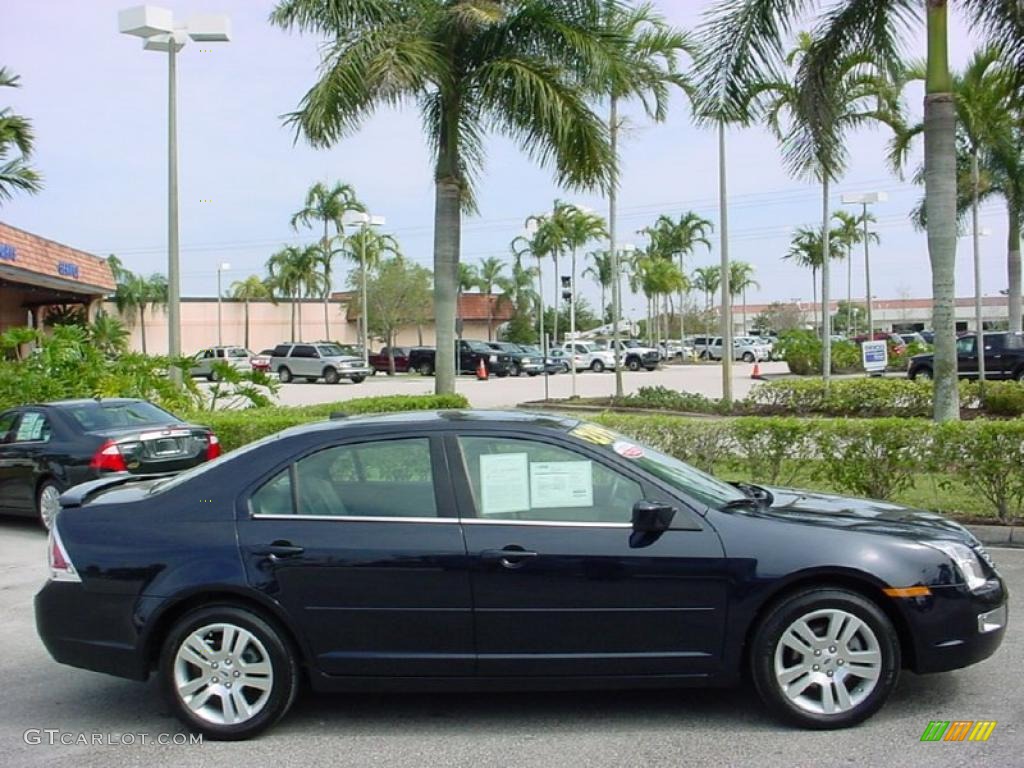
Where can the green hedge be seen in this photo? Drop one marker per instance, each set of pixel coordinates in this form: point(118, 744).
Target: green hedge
point(973, 467)
point(236, 428)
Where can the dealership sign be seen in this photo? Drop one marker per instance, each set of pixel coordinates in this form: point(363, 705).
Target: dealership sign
point(8, 252)
point(875, 355)
point(67, 269)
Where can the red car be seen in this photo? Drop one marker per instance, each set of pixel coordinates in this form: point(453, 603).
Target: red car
point(261, 362)
point(380, 361)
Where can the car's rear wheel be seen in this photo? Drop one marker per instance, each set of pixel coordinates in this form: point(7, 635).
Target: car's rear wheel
point(284, 374)
point(47, 503)
point(213, 376)
point(424, 369)
point(597, 366)
point(748, 357)
point(924, 372)
point(825, 658)
point(705, 355)
point(227, 673)
point(358, 379)
point(331, 376)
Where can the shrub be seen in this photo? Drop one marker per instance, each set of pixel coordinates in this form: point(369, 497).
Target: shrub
point(802, 352)
point(845, 397)
point(989, 457)
point(669, 399)
point(703, 443)
point(1004, 398)
point(773, 447)
point(236, 428)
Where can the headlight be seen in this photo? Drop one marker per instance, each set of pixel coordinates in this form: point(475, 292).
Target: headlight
point(966, 561)
point(493, 358)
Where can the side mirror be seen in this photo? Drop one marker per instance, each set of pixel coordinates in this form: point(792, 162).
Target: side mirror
point(652, 516)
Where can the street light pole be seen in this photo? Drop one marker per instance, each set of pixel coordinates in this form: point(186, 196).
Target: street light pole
point(221, 267)
point(366, 223)
point(864, 200)
point(159, 32)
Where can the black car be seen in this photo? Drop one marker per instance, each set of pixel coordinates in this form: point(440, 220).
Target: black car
point(523, 361)
point(1004, 358)
point(468, 357)
point(501, 551)
point(46, 449)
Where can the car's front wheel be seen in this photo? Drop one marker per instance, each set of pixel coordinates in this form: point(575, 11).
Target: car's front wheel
point(227, 673)
point(331, 376)
point(424, 369)
point(924, 372)
point(825, 658)
point(633, 364)
point(597, 366)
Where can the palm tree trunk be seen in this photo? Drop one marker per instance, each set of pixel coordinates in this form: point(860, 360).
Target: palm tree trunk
point(327, 285)
point(447, 234)
point(247, 323)
point(300, 316)
point(745, 310)
point(940, 207)
point(293, 317)
point(613, 140)
point(682, 333)
point(976, 242)
point(142, 327)
point(726, 319)
point(826, 309)
point(849, 289)
point(1013, 269)
point(814, 298)
point(558, 292)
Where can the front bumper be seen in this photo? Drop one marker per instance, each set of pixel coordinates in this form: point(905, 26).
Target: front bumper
point(355, 370)
point(954, 627)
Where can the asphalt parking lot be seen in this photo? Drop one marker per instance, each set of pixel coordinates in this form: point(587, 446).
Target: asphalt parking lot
point(670, 728)
point(705, 379)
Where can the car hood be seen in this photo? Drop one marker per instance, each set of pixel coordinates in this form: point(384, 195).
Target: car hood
point(863, 515)
point(345, 359)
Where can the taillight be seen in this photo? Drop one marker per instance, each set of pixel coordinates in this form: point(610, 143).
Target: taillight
point(108, 458)
point(61, 568)
point(212, 447)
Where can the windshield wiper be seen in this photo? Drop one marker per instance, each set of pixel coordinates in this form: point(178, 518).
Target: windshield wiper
point(744, 502)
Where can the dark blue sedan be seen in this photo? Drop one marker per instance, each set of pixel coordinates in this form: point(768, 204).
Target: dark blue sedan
point(480, 550)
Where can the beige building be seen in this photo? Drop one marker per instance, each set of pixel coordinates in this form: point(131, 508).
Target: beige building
point(270, 324)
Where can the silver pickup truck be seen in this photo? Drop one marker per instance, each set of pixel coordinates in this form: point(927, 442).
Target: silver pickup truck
point(317, 361)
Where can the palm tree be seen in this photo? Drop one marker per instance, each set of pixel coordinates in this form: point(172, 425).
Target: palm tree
point(135, 294)
point(679, 239)
point(989, 130)
point(15, 132)
point(575, 228)
point(744, 41)
point(295, 272)
point(859, 94)
point(490, 274)
point(645, 67)
point(850, 231)
point(518, 289)
point(253, 287)
point(707, 280)
point(601, 271)
point(327, 207)
point(518, 68)
point(806, 250)
point(108, 334)
point(741, 278)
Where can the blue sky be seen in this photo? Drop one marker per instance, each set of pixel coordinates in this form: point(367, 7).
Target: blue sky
point(98, 104)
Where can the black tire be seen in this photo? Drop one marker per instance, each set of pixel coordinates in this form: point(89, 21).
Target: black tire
point(633, 364)
point(213, 376)
point(358, 379)
point(517, 370)
point(650, 367)
point(766, 651)
point(1018, 375)
point(921, 372)
point(597, 366)
point(425, 369)
point(44, 494)
point(565, 368)
point(284, 673)
point(284, 374)
point(748, 357)
point(531, 374)
point(331, 376)
point(705, 355)
point(503, 373)
point(311, 379)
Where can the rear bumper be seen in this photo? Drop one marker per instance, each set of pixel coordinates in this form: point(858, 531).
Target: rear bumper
point(955, 628)
point(89, 630)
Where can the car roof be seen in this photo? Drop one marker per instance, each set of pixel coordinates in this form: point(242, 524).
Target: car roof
point(84, 401)
point(418, 420)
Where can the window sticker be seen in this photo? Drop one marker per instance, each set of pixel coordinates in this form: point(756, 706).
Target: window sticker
point(593, 434)
point(504, 483)
point(556, 484)
point(628, 450)
point(31, 427)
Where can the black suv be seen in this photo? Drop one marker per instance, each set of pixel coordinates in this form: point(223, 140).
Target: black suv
point(1004, 358)
point(468, 355)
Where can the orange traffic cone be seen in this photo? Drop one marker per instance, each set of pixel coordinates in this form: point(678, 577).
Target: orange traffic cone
point(481, 370)
point(756, 373)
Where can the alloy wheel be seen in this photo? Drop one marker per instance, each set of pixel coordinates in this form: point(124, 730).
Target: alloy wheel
point(223, 674)
point(49, 504)
point(827, 662)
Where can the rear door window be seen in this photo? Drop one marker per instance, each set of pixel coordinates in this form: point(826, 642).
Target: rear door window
point(34, 427)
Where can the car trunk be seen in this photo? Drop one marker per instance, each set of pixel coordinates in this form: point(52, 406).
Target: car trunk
point(158, 448)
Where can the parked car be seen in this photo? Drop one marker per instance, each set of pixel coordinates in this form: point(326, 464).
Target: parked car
point(488, 550)
point(550, 364)
point(468, 355)
point(912, 338)
point(530, 363)
point(928, 336)
point(895, 342)
point(47, 448)
point(635, 355)
point(592, 358)
point(381, 361)
point(325, 361)
point(566, 360)
point(1004, 358)
point(205, 359)
point(745, 348)
point(261, 361)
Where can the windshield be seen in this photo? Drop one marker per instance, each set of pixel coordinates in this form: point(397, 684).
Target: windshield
point(479, 346)
point(698, 485)
point(330, 350)
point(238, 352)
point(100, 415)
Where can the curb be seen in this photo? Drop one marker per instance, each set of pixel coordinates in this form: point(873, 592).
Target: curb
point(998, 535)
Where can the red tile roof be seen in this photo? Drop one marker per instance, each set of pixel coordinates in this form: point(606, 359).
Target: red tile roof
point(44, 257)
point(472, 306)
